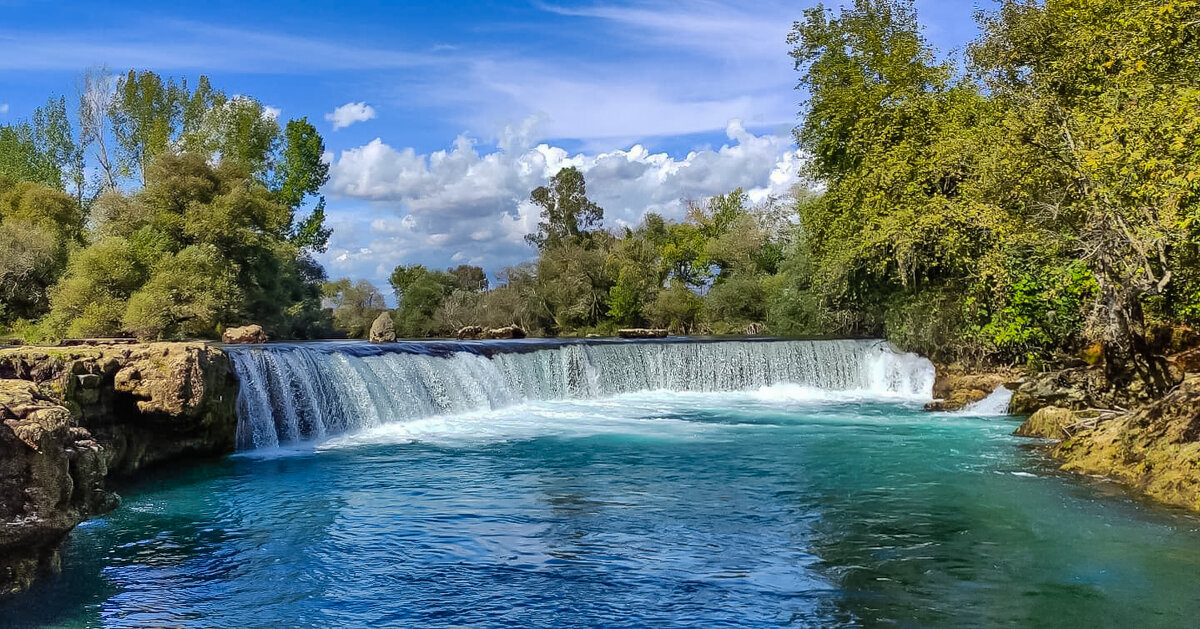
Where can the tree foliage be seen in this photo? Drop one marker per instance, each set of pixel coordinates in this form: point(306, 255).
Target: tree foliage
point(190, 226)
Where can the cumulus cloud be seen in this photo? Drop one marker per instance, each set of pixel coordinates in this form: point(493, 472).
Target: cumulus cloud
point(271, 112)
point(349, 114)
point(3, 108)
point(465, 205)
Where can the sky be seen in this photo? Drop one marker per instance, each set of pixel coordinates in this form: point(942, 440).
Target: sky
point(440, 117)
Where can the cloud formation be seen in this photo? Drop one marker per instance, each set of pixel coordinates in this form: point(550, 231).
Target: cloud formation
point(3, 108)
point(349, 114)
point(462, 205)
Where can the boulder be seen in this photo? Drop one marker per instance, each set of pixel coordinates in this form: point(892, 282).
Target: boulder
point(955, 387)
point(1050, 422)
point(469, 332)
point(506, 332)
point(383, 330)
point(252, 333)
point(642, 333)
point(1153, 450)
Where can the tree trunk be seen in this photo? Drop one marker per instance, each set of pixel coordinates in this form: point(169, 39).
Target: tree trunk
point(1122, 330)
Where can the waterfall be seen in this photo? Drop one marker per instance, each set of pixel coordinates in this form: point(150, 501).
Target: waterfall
point(302, 391)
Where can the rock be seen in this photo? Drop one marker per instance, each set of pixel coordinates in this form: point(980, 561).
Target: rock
point(1050, 422)
point(469, 332)
point(1154, 449)
point(72, 417)
point(1076, 388)
point(50, 480)
point(383, 330)
point(507, 332)
point(252, 333)
point(642, 333)
point(955, 387)
point(594, 336)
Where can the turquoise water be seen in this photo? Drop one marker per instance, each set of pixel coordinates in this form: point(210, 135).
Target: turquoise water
point(778, 507)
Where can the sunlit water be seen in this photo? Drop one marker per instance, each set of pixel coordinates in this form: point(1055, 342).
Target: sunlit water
point(778, 506)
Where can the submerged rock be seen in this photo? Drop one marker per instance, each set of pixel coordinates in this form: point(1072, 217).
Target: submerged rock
point(252, 333)
point(73, 416)
point(383, 330)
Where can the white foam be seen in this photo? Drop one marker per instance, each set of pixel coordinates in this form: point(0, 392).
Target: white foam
point(995, 404)
point(296, 393)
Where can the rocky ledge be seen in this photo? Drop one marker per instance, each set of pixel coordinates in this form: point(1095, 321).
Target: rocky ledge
point(957, 387)
point(72, 417)
point(1151, 444)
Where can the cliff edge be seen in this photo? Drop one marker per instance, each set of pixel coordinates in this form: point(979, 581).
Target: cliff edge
point(71, 417)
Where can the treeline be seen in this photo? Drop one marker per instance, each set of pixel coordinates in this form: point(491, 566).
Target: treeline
point(1037, 196)
point(719, 271)
point(159, 210)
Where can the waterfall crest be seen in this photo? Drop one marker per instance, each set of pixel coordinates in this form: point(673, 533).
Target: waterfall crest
point(302, 391)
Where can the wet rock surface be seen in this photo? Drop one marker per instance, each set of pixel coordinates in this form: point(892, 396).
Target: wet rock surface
point(956, 387)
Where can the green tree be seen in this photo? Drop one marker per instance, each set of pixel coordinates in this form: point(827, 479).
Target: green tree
point(568, 216)
point(355, 305)
point(1093, 93)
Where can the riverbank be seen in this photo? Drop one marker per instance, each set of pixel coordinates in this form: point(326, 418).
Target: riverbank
point(74, 417)
point(1149, 443)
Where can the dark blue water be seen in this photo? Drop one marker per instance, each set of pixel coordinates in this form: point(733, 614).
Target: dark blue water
point(780, 507)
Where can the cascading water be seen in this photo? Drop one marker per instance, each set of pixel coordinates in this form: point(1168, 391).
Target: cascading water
point(296, 392)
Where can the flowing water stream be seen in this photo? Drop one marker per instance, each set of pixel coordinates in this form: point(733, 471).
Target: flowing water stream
point(634, 484)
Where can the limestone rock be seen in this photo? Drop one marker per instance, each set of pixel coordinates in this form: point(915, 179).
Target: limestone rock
point(955, 387)
point(1050, 422)
point(383, 330)
point(1154, 449)
point(642, 333)
point(252, 333)
point(469, 332)
point(506, 332)
point(70, 417)
point(51, 478)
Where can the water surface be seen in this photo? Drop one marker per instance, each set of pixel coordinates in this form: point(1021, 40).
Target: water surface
point(778, 506)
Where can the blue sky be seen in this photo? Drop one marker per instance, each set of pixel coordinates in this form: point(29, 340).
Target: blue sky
point(455, 110)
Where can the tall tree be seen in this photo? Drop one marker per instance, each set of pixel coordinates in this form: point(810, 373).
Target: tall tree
point(567, 214)
point(1095, 93)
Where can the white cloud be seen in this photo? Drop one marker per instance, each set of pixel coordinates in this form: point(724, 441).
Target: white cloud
point(271, 112)
point(3, 109)
point(349, 114)
point(462, 205)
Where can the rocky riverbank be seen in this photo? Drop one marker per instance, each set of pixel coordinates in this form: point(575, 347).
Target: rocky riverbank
point(1149, 443)
point(73, 417)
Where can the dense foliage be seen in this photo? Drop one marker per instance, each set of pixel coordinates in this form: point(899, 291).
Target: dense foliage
point(1044, 199)
point(714, 272)
point(189, 224)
